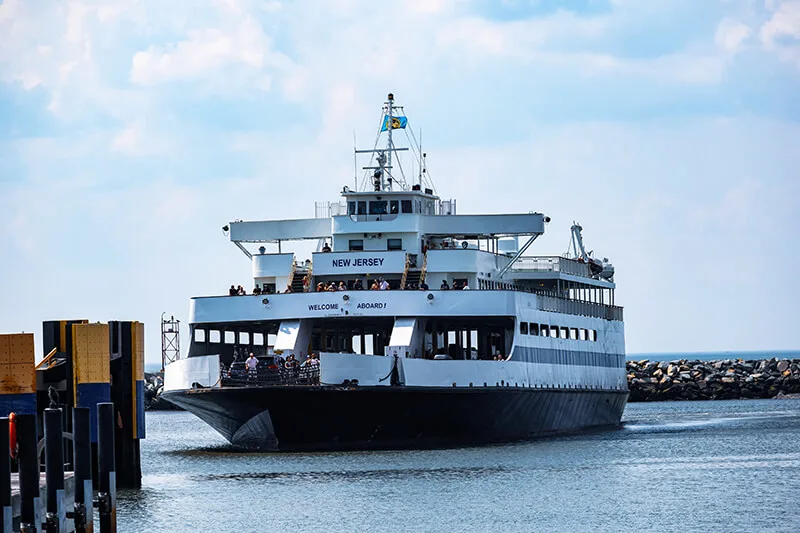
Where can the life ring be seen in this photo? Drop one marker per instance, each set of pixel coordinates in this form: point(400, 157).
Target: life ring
point(12, 434)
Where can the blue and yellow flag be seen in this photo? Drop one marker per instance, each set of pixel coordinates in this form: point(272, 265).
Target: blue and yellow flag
point(396, 123)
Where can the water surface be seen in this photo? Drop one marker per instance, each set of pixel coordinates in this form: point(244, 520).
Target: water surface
point(680, 466)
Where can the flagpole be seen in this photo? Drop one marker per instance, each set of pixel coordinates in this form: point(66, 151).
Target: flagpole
point(389, 144)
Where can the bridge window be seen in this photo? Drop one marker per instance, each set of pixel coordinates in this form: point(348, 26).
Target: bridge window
point(534, 329)
point(564, 332)
point(244, 338)
point(523, 328)
point(406, 206)
point(573, 333)
point(394, 244)
point(582, 335)
point(356, 245)
point(258, 339)
point(351, 208)
point(362, 208)
point(554, 332)
point(593, 335)
point(213, 336)
point(544, 330)
point(230, 337)
point(199, 335)
point(377, 207)
point(394, 207)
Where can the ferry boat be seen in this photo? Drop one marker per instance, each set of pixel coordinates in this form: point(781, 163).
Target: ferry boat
point(409, 326)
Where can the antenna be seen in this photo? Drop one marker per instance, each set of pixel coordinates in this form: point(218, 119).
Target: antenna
point(355, 162)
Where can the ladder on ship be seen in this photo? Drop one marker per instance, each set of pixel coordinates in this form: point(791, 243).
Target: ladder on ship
point(413, 277)
point(298, 273)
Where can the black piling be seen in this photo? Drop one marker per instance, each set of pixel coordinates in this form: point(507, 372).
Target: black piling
point(107, 483)
point(82, 459)
point(28, 457)
point(5, 479)
point(54, 470)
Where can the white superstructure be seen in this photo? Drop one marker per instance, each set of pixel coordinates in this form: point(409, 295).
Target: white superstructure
point(522, 321)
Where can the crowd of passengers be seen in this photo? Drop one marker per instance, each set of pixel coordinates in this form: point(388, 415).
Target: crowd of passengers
point(378, 284)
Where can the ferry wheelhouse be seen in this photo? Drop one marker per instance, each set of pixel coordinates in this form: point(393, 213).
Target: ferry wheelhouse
point(410, 326)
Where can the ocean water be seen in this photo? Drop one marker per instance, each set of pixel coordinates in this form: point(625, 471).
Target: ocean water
point(682, 466)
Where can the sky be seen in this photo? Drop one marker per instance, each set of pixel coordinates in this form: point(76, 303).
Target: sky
point(132, 131)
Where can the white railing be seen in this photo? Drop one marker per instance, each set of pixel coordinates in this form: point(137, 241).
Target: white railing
point(329, 209)
point(577, 307)
point(552, 264)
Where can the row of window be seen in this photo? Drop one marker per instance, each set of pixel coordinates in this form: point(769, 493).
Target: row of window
point(357, 245)
point(558, 332)
point(216, 336)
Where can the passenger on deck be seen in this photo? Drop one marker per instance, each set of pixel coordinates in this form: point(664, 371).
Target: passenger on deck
point(315, 360)
point(342, 286)
point(306, 281)
point(375, 286)
point(251, 364)
point(232, 291)
point(240, 291)
point(465, 286)
point(444, 286)
point(325, 247)
point(357, 286)
point(257, 289)
point(384, 285)
point(423, 286)
point(332, 286)
point(320, 287)
point(288, 290)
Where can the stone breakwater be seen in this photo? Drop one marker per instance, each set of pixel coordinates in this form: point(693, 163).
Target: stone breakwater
point(712, 380)
point(153, 387)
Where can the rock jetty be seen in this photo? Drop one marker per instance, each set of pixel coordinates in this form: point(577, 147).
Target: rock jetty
point(153, 387)
point(712, 380)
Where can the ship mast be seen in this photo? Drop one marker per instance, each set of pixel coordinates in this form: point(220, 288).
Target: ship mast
point(389, 145)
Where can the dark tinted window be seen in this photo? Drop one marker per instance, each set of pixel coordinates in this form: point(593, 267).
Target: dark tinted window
point(362, 208)
point(406, 206)
point(394, 207)
point(356, 244)
point(377, 207)
point(394, 244)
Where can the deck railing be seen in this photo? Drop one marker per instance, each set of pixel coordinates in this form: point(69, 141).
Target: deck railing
point(552, 264)
point(240, 377)
point(578, 307)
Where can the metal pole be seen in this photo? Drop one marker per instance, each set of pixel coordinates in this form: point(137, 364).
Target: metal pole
point(107, 484)
point(54, 471)
point(5, 479)
point(28, 456)
point(82, 446)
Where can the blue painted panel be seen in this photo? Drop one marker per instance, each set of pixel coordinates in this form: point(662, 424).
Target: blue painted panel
point(22, 404)
point(89, 395)
point(140, 433)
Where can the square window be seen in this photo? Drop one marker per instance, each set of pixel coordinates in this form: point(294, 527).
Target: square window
point(230, 337)
point(564, 332)
point(258, 339)
point(394, 244)
point(244, 338)
point(362, 208)
point(554, 332)
point(406, 206)
point(544, 330)
point(534, 329)
point(523, 328)
point(356, 245)
point(377, 207)
point(199, 335)
point(573, 333)
point(213, 336)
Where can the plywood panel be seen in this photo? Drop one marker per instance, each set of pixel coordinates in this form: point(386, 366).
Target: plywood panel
point(20, 349)
point(138, 350)
point(91, 353)
point(17, 378)
point(4, 344)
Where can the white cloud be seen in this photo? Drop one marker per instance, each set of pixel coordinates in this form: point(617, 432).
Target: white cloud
point(783, 25)
point(731, 34)
point(205, 52)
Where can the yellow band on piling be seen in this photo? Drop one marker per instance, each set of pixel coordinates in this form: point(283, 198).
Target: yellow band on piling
point(90, 355)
